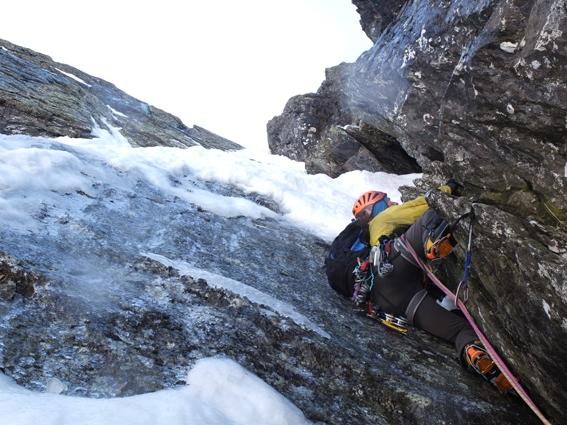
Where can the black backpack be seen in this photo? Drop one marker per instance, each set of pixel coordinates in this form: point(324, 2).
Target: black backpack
point(342, 260)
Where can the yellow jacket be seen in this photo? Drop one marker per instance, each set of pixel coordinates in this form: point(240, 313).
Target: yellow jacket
point(393, 217)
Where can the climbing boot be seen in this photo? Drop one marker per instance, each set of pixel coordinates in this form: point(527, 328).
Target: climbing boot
point(477, 359)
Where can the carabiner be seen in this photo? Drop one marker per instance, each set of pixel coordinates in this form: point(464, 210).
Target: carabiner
point(463, 287)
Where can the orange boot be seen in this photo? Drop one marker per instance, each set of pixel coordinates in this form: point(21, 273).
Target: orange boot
point(478, 360)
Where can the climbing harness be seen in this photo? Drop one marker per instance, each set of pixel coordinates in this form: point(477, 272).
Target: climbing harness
point(414, 304)
point(463, 287)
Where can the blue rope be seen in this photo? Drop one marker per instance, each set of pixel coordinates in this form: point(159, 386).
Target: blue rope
point(467, 265)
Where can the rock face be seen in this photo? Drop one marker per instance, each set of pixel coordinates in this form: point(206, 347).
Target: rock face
point(317, 130)
point(40, 97)
point(476, 90)
point(82, 302)
point(84, 299)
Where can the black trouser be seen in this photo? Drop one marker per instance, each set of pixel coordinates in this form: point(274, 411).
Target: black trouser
point(394, 292)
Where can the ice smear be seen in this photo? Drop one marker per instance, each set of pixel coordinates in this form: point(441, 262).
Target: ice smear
point(252, 294)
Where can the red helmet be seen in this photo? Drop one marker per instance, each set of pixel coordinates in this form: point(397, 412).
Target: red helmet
point(367, 198)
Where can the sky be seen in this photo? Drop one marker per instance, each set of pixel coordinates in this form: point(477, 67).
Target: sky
point(36, 171)
point(228, 66)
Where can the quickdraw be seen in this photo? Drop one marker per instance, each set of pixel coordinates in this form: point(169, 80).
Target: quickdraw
point(364, 281)
point(380, 258)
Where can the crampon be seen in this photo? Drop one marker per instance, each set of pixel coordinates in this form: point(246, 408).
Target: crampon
point(478, 360)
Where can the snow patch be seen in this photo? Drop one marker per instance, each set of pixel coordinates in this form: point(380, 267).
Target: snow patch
point(74, 77)
point(115, 112)
point(428, 118)
point(546, 308)
point(508, 47)
point(316, 203)
point(409, 56)
point(55, 386)
point(218, 383)
point(219, 392)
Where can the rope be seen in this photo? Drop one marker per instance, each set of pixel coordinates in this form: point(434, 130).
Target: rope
point(495, 357)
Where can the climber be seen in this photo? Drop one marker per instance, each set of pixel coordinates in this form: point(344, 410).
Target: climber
point(401, 292)
point(370, 204)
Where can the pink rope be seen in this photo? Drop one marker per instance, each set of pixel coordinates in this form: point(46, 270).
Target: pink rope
point(495, 357)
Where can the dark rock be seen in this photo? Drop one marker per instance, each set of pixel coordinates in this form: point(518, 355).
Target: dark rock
point(40, 97)
point(16, 280)
point(477, 90)
point(316, 129)
point(375, 16)
point(112, 323)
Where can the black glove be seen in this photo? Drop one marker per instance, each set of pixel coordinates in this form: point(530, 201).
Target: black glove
point(452, 184)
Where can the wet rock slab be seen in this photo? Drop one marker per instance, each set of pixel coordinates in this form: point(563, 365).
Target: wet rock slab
point(108, 321)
